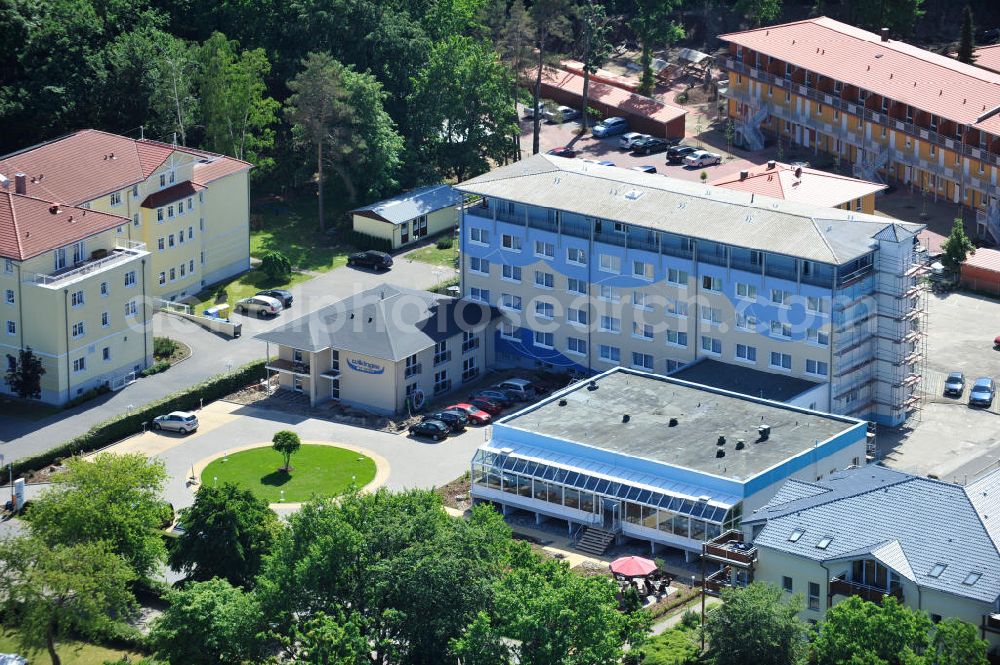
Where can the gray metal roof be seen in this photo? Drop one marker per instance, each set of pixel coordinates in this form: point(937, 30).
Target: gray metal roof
point(412, 204)
point(387, 322)
point(907, 522)
point(746, 380)
point(741, 219)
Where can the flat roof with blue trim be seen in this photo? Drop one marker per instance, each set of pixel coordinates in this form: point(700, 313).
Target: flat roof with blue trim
point(629, 412)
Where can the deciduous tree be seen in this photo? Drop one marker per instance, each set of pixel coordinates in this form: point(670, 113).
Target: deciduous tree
point(596, 48)
point(275, 265)
point(551, 20)
point(957, 642)
point(653, 26)
point(25, 375)
point(957, 246)
point(287, 443)
point(889, 633)
point(756, 625)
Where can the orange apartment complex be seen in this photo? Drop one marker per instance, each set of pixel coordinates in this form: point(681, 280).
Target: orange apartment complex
point(895, 112)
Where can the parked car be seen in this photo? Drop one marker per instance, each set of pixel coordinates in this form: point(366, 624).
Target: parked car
point(560, 114)
point(282, 295)
point(523, 389)
point(176, 421)
point(610, 127)
point(370, 259)
point(645, 168)
point(605, 162)
point(677, 154)
point(563, 152)
point(996, 342)
point(954, 384)
point(982, 392)
point(629, 138)
point(432, 429)
point(529, 112)
point(259, 305)
point(652, 145)
point(456, 420)
point(476, 416)
point(703, 158)
point(501, 397)
point(487, 405)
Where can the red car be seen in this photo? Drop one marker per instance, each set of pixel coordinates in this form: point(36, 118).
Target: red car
point(476, 416)
point(489, 406)
point(563, 152)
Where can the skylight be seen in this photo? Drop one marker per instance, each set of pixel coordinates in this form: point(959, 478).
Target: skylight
point(972, 578)
point(937, 570)
point(796, 535)
point(824, 542)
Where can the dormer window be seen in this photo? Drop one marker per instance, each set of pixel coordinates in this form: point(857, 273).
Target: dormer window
point(794, 538)
point(937, 570)
point(824, 542)
point(971, 578)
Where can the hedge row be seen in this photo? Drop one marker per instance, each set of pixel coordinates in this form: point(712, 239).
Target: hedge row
point(121, 426)
point(363, 241)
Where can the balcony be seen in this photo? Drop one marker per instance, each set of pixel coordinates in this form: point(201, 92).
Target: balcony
point(288, 366)
point(991, 622)
point(842, 587)
point(100, 260)
point(717, 581)
point(729, 548)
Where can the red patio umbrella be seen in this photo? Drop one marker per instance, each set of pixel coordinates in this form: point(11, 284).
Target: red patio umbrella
point(632, 566)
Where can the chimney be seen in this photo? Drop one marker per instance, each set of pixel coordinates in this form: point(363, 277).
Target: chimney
point(744, 174)
point(885, 34)
point(770, 164)
point(20, 183)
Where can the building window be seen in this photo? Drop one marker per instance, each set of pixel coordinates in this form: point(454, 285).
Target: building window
point(711, 283)
point(813, 596)
point(545, 280)
point(577, 316)
point(170, 240)
point(191, 265)
point(779, 329)
point(818, 337)
point(511, 242)
point(545, 310)
point(642, 330)
point(173, 274)
point(10, 296)
point(642, 270)
point(160, 243)
point(711, 315)
point(576, 256)
point(746, 291)
point(482, 295)
point(642, 361)
point(469, 369)
point(675, 307)
point(106, 354)
point(639, 300)
point(11, 328)
point(545, 250)
point(611, 324)
point(608, 294)
point(576, 345)
point(610, 354)
point(817, 367)
point(544, 339)
point(610, 263)
point(79, 329)
point(76, 298)
point(510, 301)
point(8, 266)
point(678, 277)
point(508, 330)
point(480, 236)
point(183, 269)
point(412, 367)
point(816, 304)
point(781, 360)
point(786, 583)
point(576, 286)
point(779, 297)
point(170, 212)
point(159, 215)
point(162, 278)
point(442, 383)
point(105, 319)
point(441, 352)
point(469, 341)
point(130, 308)
point(711, 345)
point(80, 365)
point(934, 122)
point(60, 258)
point(180, 237)
point(746, 322)
point(677, 338)
point(747, 353)
point(116, 198)
point(476, 264)
point(511, 273)
point(79, 252)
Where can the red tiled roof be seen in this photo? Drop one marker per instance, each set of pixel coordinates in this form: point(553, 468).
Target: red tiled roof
point(30, 226)
point(988, 57)
point(622, 100)
point(218, 167)
point(181, 190)
point(934, 83)
point(815, 186)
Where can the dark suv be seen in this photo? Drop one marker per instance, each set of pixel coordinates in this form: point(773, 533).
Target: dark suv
point(283, 295)
point(370, 259)
point(677, 154)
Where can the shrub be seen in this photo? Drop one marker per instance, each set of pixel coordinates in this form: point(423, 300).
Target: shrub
point(275, 265)
point(671, 647)
point(164, 347)
point(363, 241)
point(161, 366)
point(444, 242)
point(690, 619)
point(122, 425)
point(681, 97)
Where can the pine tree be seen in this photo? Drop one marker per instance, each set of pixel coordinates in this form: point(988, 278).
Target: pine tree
point(967, 42)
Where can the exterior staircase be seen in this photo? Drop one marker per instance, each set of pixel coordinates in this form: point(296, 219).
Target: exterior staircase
point(594, 541)
point(868, 168)
point(748, 131)
point(990, 218)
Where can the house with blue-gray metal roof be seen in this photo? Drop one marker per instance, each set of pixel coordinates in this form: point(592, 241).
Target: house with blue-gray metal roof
point(633, 455)
point(874, 532)
point(408, 217)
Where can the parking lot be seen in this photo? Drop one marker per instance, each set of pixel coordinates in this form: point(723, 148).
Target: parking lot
point(948, 438)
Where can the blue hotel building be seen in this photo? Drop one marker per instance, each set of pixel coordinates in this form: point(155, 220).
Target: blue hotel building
point(596, 267)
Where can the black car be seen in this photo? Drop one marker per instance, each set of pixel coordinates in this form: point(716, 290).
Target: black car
point(677, 154)
point(432, 429)
point(652, 145)
point(370, 259)
point(282, 295)
point(456, 420)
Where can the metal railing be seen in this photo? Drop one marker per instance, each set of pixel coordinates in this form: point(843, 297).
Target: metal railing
point(844, 587)
point(123, 250)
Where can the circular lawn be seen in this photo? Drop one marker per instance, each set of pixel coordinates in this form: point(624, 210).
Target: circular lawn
point(316, 470)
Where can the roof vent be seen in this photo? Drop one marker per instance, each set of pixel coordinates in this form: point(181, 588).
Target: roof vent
point(740, 444)
point(704, 498)
point(20, 183)
point(70, 220)
point(763, 432)
point(369, 319)
point(54, 209)
point(672, 422)
point(885, 34)
point(633, 195)
point(771, 164)
point(626, 417)
point(592, 385)
point(798, 171)
point(721, 441)
point(562, 402)
point(720, 453)
point(744, 174)
point(506, 451)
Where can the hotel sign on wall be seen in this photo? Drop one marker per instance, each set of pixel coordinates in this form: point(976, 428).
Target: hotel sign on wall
point(364, 366)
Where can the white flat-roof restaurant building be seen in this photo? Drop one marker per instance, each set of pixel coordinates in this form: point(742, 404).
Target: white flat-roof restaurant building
point(636, 455)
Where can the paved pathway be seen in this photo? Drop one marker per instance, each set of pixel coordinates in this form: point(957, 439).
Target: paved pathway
point(211, 354)
point(674, 619)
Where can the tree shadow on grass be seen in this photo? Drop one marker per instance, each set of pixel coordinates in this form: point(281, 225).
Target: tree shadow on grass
point(276, 478)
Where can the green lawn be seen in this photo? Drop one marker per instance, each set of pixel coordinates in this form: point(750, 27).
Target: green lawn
point(71, 653)
point(244, 286)
point(319, 470)
point(438, 257)
point(290, 225)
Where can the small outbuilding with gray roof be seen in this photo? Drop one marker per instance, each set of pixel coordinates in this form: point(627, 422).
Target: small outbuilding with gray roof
point(406, 218)
point(383, 350)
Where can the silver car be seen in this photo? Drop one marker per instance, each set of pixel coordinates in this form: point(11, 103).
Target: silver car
point(259, 305)
point(560, 114)
point(629, 138)
point(184, 422)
